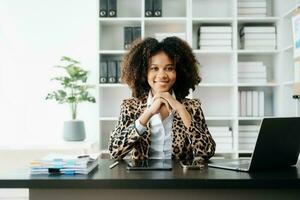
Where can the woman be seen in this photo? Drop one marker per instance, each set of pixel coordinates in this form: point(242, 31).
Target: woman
point(159, 122)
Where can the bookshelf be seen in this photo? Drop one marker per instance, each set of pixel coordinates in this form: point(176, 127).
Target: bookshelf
point(219, 89)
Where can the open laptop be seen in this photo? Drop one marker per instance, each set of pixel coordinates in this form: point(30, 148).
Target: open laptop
point(277, 146)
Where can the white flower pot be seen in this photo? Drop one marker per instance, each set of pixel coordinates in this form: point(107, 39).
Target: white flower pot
point(74, 130)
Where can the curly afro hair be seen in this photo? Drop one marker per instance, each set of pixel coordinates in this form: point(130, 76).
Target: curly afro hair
point(135, 65)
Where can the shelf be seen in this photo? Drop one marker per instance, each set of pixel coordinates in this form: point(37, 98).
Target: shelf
point(257, 19)
point(119, 21)
point(110, 85)
point(257, 84)
point(250, 118)
point(165, 20)
point(257, 52)
point(218, 52)
point(213, 19)
point(215, 85)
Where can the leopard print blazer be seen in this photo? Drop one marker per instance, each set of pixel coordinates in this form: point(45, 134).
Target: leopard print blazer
point(185, 141)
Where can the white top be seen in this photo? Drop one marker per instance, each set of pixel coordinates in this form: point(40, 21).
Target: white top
point(161, 144)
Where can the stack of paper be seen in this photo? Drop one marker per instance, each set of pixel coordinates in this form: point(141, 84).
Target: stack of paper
point(222, 136)
point(65, 164)
point(215, 37)
point(258, 37)
point(252, 72)
point(252, 103)
point(248, 136)
point(252, 8)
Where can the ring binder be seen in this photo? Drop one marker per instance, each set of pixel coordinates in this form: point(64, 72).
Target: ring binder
point(112, 8)
point(157, 8)
point(148, 8)
point(103, 8)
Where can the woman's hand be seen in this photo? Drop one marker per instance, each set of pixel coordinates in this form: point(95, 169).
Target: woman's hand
point(157, 104)
point(173, 103)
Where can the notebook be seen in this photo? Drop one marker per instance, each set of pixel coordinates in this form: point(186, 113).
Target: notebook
point(277, 146)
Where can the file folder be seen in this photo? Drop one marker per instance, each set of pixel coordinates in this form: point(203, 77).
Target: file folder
point(112, 71)
point(127, 37)
point(103, 72)
point(103, 8)
point(136, 32)
point(157, 8)
point(148, 8)
point(112, 8)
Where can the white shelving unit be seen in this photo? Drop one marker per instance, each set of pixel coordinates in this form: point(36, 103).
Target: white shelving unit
point(219, 88)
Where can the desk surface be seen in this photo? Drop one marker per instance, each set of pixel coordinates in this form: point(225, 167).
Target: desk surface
point(177, 178)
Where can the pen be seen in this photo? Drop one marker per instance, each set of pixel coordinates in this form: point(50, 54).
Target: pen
point(113, 165)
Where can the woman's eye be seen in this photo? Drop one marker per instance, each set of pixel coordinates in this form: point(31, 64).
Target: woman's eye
point(154, 68)
point(170, 69)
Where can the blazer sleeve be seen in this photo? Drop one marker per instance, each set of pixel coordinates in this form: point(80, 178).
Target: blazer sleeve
point(124, 136)
point(201, 140)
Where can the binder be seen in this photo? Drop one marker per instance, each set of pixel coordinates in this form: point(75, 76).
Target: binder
point(103, 72)
point(103, 8)
point(127, 37)
point(112, 8)
point(157, 8)
point(119, 71)
point(112, 71)
point(136, 32)
point(148, 8)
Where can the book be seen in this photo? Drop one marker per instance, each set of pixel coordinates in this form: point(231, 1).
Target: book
point(261, 103)
point(243, 103)
point(254, 42)
point(255, 105)
point(259, 36)
point(216, 36)
point(252, 4)
point(253, 80)
point(262, 10)
point(215, 29)
point(258, 29)
point(65, 164)
point(252, 74)
point(204, 42)
point(249, 103)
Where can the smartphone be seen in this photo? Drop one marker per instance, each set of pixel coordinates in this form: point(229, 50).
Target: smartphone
point(192, 164)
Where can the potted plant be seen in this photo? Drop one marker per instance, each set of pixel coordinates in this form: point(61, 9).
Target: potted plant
point(74, 90)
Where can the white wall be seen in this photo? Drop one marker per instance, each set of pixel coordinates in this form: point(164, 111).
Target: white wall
point(34, 35)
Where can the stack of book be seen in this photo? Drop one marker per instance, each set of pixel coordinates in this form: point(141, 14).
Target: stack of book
point(258, 37)
point(222, 136)
point(252, 8)
point(248, 136)
point(252, 103)
point(252, 72)
point(64, 164)
point(215, 38)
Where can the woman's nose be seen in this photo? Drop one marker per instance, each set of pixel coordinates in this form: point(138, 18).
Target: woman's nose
point(161, 73)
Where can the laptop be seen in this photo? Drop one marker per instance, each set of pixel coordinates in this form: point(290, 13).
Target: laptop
point(277, 146)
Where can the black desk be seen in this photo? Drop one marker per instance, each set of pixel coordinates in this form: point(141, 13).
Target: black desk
point(118, 183)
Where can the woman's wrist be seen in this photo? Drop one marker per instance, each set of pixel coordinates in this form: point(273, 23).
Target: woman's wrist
point(145, 117)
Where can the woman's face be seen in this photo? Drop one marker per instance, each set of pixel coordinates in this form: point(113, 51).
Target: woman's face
point(161, 74)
